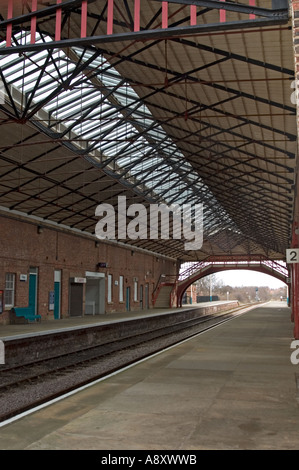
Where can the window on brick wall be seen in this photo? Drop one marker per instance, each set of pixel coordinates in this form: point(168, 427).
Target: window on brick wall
point(109, 288)
point(121, 288)
point(135, 290)
point(9, 296)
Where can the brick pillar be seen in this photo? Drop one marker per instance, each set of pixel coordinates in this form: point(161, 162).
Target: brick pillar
point(295, 279)
point(295, 234)
point(295, 306)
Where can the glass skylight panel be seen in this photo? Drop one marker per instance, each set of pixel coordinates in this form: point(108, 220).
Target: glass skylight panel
point(17, 79)
point(123, 97)
point(9, 69)
point(119, 126)
point(81, 128)
point(108, 152)
point(65, 98)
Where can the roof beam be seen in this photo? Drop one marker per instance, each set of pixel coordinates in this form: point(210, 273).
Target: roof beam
point(142, 35)
point(236, 7)
point(233, 55)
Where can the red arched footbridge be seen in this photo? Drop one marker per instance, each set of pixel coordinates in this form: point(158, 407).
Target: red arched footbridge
point(170, 290)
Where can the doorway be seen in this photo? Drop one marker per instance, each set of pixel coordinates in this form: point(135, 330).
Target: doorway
point(57, 294)
point(147, 296)
point(32, 301)
point(95, 293)
point(128, 293)
point(141, 297)
point(76, 299)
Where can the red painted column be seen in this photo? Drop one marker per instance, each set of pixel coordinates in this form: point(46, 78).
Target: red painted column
point(164, 15)
point(33, 23)
point(291, 294)
point(84, 19)
point(252, 4)
point(222, 14)
point(295, 306)
point(193, 18)
point(137, 15)
point(295, 284)
point(110, 17)
point(9, 26)
point(58, 23)
point(295, 240)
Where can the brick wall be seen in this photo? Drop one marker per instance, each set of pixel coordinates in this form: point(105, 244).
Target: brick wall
point(22, 247)
point(295, 24)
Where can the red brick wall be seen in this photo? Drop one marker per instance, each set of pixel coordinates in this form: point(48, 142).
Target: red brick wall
point(295, 24)
point(295, 18)
point(22, 247)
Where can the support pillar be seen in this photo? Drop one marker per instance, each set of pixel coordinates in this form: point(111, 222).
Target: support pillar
point(295, 233)
point(295, 282)
point(295, 306)
point(289, 298)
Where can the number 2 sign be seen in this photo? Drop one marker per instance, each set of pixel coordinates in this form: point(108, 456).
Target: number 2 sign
point(293, 255)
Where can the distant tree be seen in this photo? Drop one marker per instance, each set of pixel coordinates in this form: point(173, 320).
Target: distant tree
point(244, 294)
point(203, 285)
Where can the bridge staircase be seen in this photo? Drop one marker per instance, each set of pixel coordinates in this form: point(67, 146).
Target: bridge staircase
point(164, 295)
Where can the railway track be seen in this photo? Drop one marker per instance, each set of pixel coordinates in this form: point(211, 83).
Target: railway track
point(25, 387)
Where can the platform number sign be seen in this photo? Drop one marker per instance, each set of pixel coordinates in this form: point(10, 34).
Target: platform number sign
point(293, 255)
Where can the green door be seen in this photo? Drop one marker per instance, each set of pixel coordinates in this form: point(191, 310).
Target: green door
point(128, 299)
point(33, 290)
point(57, 294)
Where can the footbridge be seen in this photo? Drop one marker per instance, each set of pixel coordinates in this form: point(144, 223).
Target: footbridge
point(170, 289)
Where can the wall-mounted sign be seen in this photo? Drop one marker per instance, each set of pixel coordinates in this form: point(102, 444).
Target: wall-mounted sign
point(293, 255)
point(102, 265)
point(51, 300)
point(79, 280)
point(23, 277)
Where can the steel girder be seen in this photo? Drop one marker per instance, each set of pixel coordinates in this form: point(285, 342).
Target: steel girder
point(217, 163)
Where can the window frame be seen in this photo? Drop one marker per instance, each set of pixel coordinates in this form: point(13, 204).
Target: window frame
point(10, 290)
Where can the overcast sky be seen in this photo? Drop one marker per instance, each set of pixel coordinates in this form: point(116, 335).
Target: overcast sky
point(248, 278)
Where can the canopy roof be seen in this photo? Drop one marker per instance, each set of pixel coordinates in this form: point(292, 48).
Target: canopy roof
point(202, 118)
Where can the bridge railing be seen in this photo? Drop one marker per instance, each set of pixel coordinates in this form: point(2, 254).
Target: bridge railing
point(277, 266)
point(192, 269)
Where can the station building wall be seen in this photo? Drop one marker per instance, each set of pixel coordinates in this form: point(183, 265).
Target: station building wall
point(89, 273)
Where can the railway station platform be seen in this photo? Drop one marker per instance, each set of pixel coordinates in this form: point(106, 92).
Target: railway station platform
point(73, 322)
point(233, 387)
point(35, 341)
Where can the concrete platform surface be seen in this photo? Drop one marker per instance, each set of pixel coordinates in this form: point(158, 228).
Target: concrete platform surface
point(233, 387)
point(49, 326)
